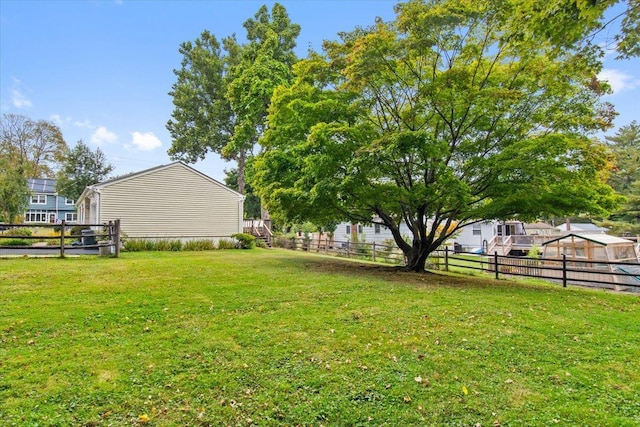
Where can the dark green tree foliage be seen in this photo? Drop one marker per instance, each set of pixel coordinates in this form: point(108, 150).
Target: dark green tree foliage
point(202, 119)
point(222, 93)
point(625, 177)
point(82, 167)
point(625, 145)
point(14, 191)
point(454, 112)
point(251, 201)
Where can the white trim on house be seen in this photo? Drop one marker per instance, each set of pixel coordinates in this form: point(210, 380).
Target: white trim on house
point(38, 199)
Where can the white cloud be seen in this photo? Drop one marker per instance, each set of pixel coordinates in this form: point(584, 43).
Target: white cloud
point(86, 124)
point(102, 135)
point(145, 141)
point(619, 80)
point(55, 118)
point(19, 100)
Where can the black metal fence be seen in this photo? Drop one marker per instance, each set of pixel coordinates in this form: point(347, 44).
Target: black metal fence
point(60, 239)
point(564, 270)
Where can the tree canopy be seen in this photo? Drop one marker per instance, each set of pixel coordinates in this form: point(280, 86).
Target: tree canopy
point(36, 148)
point(223, 90)
point(28, 149)
point(625, 177)
point(82, 167)
point(14, 191)
point(454, 112)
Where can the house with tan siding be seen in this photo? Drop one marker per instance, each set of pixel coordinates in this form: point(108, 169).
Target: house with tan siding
point(173, 201)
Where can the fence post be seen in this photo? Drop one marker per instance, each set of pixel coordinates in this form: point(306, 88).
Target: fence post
point(564, 271)
point(117, 238)
point(495, 263)
point(446, 258)
point(62, 231)
point(348, 249)
point(374, 251)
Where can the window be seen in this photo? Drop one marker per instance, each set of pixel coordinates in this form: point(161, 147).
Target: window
point(348, 229)
point(359, 228)
point(70, 217)
point(69, 202)
point(35, 216)
point(39, 199)
point(477, 229)
point(376, 228)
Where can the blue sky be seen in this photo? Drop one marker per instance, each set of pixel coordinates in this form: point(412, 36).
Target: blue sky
point(102, 70)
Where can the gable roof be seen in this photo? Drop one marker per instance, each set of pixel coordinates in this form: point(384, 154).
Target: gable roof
point(154, 169)
point(42, 185)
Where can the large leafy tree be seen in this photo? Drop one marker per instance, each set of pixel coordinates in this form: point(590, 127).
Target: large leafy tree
point(223, 91)
point(625, 145)
point(456, 111)
point(251, 201)
point(35, 148)
point(625, 178)
point(202, 120)
point(14, 191)
point(82, 167)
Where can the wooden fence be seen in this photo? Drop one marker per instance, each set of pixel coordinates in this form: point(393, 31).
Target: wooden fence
point(60, 239)
point(367, 251)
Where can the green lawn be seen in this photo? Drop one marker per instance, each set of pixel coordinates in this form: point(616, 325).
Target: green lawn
point(268, 337)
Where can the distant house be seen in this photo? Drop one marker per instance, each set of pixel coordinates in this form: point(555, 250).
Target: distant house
point(469, 238)
point(581, 228)
point(171, 201)
point(484, 235)
point(369, 233)
point(46, 205)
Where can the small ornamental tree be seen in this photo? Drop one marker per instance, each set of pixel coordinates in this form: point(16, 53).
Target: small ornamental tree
point(455, 112)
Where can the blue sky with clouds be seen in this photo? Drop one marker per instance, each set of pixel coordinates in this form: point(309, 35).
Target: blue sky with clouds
point(102, 70)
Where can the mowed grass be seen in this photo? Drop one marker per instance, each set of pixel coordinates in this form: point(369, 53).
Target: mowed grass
point(268, 337)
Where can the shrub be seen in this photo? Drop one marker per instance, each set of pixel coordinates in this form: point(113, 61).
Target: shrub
point(261, 243)
point(20, 232)
point(14, 242)
point(279, 241)
point(139, 245)
point(199, 245)
point(284, 241)
point(175, 245)
point(226, 244)
point(245, 240)
point(168, 245)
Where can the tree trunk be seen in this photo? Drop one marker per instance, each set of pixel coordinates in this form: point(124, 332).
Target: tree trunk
point(417, 257)
point(242, 160)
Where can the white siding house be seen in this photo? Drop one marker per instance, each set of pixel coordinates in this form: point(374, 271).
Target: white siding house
point(370, 233)
point(170, 201)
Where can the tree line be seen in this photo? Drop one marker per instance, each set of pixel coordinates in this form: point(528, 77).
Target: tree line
point(451, 113)
point(37, 149)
